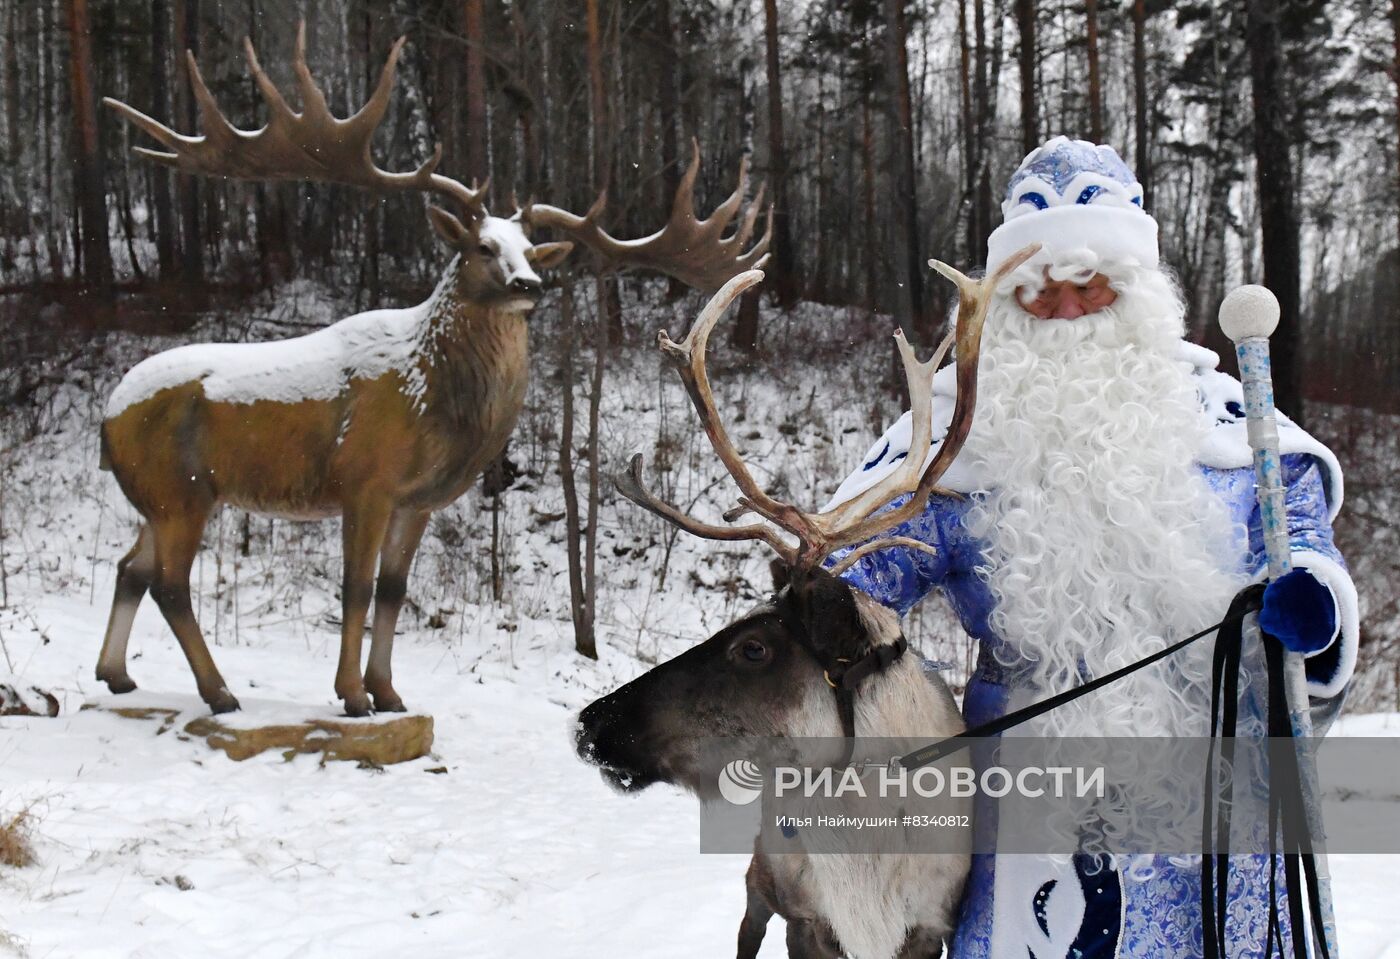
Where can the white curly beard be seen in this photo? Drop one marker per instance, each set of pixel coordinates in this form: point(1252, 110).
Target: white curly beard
point(1104, 543)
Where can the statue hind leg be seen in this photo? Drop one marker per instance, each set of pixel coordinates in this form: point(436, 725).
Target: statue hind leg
point(135, 573)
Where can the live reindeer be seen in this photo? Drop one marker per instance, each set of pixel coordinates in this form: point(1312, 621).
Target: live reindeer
point(817, 659)
point(380, 418)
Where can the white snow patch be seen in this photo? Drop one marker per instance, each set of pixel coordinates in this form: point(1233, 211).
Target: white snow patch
point(316, 366)
point(518, 848)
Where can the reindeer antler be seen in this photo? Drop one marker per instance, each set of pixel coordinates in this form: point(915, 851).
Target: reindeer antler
point(694, 251)
point(819, 534)
point(311, 145)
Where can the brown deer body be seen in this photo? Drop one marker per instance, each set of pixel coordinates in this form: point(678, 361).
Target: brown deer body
point(424, 399)
point(818, 659)
point(380, 418)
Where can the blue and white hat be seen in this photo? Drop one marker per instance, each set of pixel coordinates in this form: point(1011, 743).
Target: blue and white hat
point(1070, 195)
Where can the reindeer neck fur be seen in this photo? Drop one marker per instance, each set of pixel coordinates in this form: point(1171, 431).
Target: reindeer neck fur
point(874, 902)
point(472, 359)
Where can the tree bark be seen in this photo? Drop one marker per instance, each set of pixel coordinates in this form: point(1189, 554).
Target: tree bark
point(867, 171)
point(11, 81)
point(969, 124)
point(49, 109)
point(584, 641)
point(476, 91)
point(1278, 218)
point(191, 256)
point(906, 209)
point(1091, 39)
point(90, 182)
point(160, 109)
point(781, 282)
point(609, 298)
point(983, 113)
point(781, 279)
point(370, 225)
point(1395, 28)
point(1030, 121)
point(1140, 121)
point(668, 105)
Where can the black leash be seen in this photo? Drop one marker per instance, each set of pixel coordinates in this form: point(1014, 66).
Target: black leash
point(946, 747)
point(1286, 798)
point(1215, 830)
point(1286, 804)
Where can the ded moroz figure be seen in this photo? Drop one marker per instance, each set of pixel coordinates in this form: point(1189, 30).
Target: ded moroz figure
point(1107, 510)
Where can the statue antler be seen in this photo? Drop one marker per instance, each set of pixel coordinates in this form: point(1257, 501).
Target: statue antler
point(694, 251)
point(311, 145)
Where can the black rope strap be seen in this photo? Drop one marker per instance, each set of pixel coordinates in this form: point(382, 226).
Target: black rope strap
point(946, 747)
point(1286, 802)
point(846, 681)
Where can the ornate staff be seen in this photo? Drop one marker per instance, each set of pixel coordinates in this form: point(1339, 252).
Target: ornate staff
point(1248, 316)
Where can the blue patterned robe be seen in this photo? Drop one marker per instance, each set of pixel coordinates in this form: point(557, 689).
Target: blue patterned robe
point(1121, 915)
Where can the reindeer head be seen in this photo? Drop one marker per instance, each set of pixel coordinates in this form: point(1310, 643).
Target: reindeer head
point(773, 672)
point(764, 676)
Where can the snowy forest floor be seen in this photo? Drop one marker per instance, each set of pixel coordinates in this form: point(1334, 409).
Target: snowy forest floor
point(150, 846)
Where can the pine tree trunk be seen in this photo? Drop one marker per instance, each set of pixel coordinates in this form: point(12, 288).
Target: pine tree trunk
point(160, 109)
point(370, 225)
point(1395, 27)
point(668, 105)
point(12, 122)
point(781, 279)
point(910, 266)
point(584, 641)
point(780, 263)
point(1030, 121)
point(53, 238)
point(1091, 40)
point(982, 113)
point(867, 178)
point(1278, 216)
point(969, 124)
point(609, 298)
point(1140, 122)
point(90, 182)
point(476, 91)
point(191, 256)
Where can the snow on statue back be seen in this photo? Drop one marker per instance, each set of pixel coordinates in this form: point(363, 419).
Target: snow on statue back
point(317, 366)
point(382, 417)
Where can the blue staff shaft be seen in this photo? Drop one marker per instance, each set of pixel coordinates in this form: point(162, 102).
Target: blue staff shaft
point(1250, 334)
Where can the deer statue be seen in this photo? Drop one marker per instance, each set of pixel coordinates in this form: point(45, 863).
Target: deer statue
point(380, 418)
point(818, 659)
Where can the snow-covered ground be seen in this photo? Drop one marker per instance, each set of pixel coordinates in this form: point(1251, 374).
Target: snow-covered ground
point(499, 844)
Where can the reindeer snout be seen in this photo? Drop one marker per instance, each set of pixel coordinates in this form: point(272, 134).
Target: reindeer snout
point(526, 284)
point(607, 737)
point(586, 731)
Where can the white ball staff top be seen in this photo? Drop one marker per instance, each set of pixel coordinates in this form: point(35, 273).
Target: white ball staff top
point(1249, 311)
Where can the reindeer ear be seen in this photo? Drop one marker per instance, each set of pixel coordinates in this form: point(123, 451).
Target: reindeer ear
point(826, 606)
point(782, 575)
point(453, 232)
point(546, 256)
